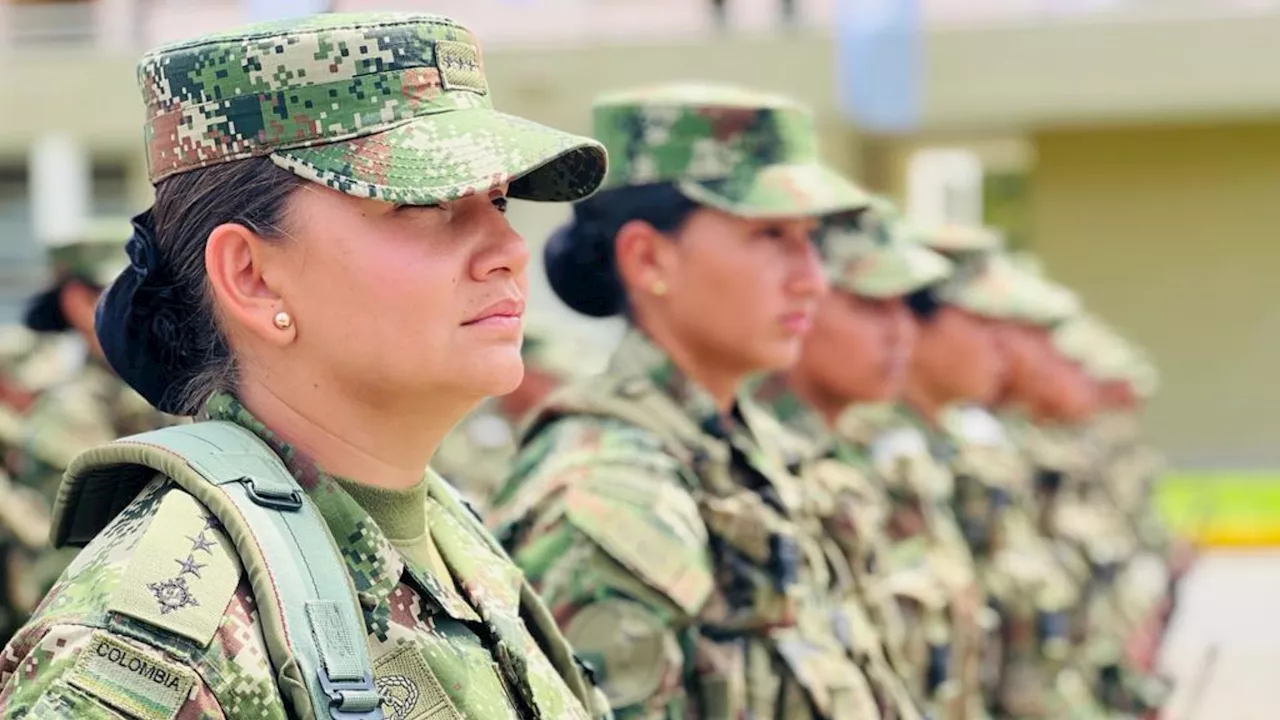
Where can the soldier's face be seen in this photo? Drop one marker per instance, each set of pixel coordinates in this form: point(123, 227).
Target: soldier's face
point(1072, 396)
point(1028, 354)
point(859, 348)
point(396, 302)
point(741, 293)
point(956, 354)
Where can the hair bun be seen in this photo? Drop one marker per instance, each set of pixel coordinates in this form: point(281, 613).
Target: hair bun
point(578, 258)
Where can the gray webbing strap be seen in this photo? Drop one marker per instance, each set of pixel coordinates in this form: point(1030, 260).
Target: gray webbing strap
point(323, 627)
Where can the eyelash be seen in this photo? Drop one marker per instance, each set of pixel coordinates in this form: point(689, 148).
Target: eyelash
point(499, 202)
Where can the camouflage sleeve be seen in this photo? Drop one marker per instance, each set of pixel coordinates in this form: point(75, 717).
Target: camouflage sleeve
point(69, 670)
point(599, 521)
point(154, 620)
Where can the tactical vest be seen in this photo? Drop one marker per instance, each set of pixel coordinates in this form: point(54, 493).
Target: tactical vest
point(761, 542)
point(311, 619)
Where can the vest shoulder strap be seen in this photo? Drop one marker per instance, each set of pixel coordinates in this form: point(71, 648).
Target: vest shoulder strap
point(307, 605)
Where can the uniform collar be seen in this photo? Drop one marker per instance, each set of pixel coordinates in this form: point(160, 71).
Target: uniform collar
point(638, 356)
point(373, 563)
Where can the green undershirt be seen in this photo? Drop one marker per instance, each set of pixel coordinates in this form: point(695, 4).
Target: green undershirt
point(402, 516)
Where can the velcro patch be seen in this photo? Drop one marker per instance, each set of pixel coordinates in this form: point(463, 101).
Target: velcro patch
point(409, 689)
point(460, 68)
point(141, 683)
point(182, 573)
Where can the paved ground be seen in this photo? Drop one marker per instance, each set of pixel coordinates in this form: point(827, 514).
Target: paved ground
point(1231, 603)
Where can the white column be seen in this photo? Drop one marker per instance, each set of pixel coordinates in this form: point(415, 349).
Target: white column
point(944, 186)
point(59, 177)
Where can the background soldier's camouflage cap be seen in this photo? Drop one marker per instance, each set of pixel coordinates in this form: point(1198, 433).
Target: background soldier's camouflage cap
point(744, 152)
point(994, 287)
point(388, 106)
point(1106, 354)
point(96, 257)
point(952, 238)
point(871, 259)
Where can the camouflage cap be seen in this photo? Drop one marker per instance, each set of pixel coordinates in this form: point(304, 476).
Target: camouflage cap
point(388, 106)
point(870, 260)
point(747, 153)
point(1106, 354)
point(95, 256)
point(952, 238)
point(992, 286)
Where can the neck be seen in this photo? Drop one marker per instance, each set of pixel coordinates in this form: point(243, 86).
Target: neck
point(923, 398)
point(826, 406)
point(718, 379)
point(384, 443)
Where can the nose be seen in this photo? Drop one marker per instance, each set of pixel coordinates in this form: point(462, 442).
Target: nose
point(500, 250)
point(808, 277)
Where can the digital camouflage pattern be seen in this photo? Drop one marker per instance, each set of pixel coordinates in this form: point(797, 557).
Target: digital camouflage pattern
point(1036, 579)
point(893, 584)
point(38, 438)
point(931, 562)
point(440, 646)
point(747, 153)
point(867, 259)
point(991, 286)
point(679, 553)
point(388, 106)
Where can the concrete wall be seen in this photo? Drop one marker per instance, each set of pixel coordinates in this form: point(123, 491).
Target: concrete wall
point(1172, 233)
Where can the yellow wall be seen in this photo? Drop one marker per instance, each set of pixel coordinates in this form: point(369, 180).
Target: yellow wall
point(1174, 233)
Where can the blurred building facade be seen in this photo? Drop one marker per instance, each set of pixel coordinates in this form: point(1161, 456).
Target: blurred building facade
point(1131, 143)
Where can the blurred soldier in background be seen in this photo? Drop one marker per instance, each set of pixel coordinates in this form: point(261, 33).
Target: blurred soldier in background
point(857, 352)
point(476, 456)
point(958, 373)
point(60, 398)
point(654, 508)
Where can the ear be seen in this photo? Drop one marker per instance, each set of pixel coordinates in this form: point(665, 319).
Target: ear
point(239, 264)
point(644, 256)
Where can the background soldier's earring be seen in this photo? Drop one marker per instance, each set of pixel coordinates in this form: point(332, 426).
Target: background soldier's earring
point(283, 320)
point(658, 288)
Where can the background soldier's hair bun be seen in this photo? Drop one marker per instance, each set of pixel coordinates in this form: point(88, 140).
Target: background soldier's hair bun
point(579, 257)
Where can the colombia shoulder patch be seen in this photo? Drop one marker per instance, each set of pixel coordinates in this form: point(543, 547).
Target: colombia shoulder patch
point(139, 682)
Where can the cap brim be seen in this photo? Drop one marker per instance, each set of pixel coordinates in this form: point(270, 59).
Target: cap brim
point(779, 191)
point(44, 312)
point(442, 157)
point(895, 270)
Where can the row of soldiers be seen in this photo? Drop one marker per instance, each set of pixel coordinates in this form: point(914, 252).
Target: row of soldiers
point(997, 500)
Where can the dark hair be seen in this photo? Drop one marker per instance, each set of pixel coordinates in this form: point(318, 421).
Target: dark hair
point(187, 208)
point(579, 257)
point(924, 304)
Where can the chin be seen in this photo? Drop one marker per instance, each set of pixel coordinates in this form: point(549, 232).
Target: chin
point(492, 373)
point(778, 356)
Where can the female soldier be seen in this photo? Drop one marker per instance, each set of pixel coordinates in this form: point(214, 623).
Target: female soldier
point(650, 505)
point(857, 352)
point(327, 266)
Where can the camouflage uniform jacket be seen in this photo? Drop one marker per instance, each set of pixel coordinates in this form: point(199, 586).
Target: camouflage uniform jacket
point(155, 619)
point(89, 408)
point(856, 508)
point(932, 566)
point(477, 454)
point(674, 548)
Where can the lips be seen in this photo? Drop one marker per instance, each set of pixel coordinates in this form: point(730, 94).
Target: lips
point(503, 309)
point(797, 323)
